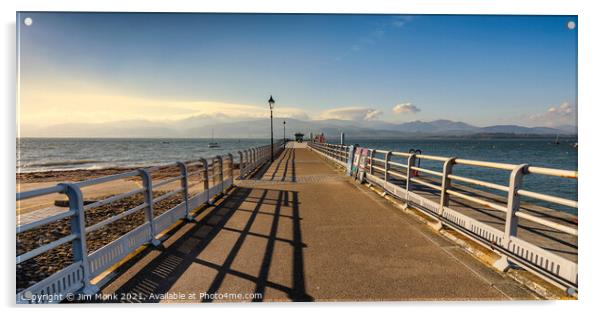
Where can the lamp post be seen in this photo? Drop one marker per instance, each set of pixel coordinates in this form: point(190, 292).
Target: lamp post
point(271, 103)
point(284, 132)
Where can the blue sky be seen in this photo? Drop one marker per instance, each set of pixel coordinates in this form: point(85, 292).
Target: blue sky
point(482, 70)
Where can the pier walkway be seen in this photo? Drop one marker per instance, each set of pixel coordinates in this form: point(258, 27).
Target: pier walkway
point(300, 230)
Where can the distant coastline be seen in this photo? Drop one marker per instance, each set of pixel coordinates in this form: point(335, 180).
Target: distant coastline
point(259, 129)
point(371, 136)
point(564, 137)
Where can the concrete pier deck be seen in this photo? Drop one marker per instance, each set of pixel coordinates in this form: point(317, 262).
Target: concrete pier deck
point(300, 231)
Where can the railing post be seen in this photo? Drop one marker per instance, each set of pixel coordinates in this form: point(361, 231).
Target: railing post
point(513, 205)
point(184, 185)
point(241, 164)
point(220, 174)
point(247, 153)
point(147, 182)
point(445, 183)
point(250, 160)
point(516, 181)
point(371, 161)
point(231, 170)
point(205, 174)
point(210, 198)
point(387, 158)
point(411, 161)
point(78, 226)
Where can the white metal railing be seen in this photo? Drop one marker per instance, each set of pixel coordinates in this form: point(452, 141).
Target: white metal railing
point(86, 266)
point(251, 158)
point(386, 169)
point(335, 152)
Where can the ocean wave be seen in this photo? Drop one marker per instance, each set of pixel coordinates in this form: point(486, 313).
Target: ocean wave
point(48, 167)
point(63, 163)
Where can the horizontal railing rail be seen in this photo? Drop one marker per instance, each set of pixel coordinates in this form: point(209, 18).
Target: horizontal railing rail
point(398, 174)
point(337, 153)
point(86, 266)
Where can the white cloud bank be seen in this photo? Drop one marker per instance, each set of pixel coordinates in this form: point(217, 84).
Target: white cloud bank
point(405, 108)
point(562, 114)
point(350, 113)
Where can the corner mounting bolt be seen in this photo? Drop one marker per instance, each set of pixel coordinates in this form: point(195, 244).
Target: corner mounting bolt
point(571, 25)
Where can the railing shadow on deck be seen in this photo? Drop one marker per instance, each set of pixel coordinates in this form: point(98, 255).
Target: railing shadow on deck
point(284, 164)
point(172, 263)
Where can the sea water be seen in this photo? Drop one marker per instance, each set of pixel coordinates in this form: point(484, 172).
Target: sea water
point(45, 154)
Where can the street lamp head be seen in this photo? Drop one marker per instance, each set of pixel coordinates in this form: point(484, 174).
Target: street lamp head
point(271, 102)
point(284, 122)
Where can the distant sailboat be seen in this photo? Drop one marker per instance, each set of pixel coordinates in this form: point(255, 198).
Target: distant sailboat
point(557, 141)
point(213, 143)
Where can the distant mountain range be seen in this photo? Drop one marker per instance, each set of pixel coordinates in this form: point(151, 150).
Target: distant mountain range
point(259, 128)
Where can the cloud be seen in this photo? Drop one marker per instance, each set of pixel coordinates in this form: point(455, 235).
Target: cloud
point(350, 113)
point(564, 109)
point(379, 33)
point(405, 108)
point(555, 115)
point(401, 20)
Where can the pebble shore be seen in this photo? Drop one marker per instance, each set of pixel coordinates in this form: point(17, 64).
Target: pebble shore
point(44, 265)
